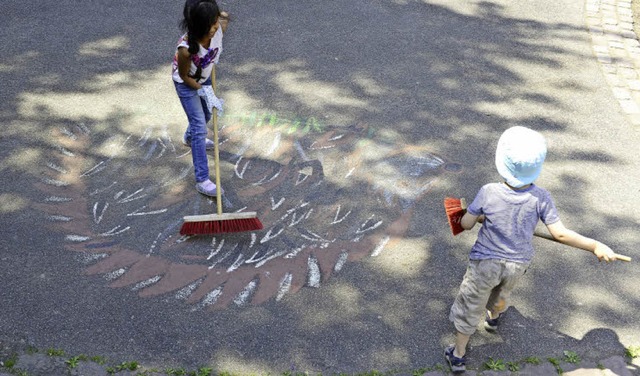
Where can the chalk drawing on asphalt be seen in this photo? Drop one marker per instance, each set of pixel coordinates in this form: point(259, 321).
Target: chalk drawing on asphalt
point(121, 210)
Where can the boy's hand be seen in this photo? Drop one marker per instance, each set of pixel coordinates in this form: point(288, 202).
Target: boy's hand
point(603, 252)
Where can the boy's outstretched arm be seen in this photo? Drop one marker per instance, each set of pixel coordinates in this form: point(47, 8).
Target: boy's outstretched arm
point(572, 238)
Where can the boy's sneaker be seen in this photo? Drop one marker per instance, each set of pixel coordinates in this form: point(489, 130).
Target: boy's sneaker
point(457, 364)
point(491, 325)
point(208, 188)
point(187, 142)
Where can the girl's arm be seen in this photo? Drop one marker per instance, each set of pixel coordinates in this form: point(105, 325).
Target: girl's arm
point(572, 238)
point(184, 65)
point(224, 21)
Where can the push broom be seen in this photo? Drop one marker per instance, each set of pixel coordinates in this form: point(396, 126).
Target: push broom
point(457, 207)
point(220, 222)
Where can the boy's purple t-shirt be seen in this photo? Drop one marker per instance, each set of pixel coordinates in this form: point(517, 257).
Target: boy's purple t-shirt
point(511, 217)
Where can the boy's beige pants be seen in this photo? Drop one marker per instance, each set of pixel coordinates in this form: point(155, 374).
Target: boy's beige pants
point(487, 285)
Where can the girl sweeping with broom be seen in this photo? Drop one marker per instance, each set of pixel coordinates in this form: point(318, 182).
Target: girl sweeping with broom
point(194, 78)
point(198, 50)
point(509, 212)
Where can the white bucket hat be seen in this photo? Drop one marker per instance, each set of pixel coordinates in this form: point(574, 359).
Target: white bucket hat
point(519, 156)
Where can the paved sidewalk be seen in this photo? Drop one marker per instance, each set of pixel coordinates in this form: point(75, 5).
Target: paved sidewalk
point(617, 48)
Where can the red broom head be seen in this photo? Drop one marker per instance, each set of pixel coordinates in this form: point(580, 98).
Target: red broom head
point(220, 226)
point(455, 212)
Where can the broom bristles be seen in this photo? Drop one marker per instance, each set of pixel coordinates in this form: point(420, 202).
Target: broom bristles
point(455, 211)
point(217, 224)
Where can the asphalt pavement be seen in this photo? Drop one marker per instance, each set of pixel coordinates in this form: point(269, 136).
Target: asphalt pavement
point(346, 124)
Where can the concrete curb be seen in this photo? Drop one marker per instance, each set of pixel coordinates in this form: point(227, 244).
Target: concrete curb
point(38, 364)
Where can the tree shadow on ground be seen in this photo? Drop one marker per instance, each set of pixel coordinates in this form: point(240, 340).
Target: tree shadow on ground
point(345, 127)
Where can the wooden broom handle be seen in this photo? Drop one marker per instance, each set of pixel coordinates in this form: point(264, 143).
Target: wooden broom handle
point(216, 151)
point(463, 205)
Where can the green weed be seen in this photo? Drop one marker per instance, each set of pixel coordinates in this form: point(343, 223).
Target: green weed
point(571, 357)
point(370, 373)
point(419, 372)
point(513, 366)
point(495, 365)
point(179, 372)
point(127, 366)
point(532, 360)
point(55, 352)
point(556, 364)
point(98, 359)
point(73, 362)
point(291, 373)
point(11, 362)
point(204, 371)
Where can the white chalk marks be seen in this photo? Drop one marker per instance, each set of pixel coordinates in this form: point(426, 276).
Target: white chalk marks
point(121, 209)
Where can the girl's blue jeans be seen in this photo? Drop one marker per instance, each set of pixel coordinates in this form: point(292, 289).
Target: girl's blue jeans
point(198, 116)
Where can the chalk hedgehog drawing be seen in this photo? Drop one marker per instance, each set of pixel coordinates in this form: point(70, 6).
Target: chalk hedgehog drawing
point(322, 199)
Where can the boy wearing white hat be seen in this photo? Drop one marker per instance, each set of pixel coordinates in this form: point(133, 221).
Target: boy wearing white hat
point(509, 212)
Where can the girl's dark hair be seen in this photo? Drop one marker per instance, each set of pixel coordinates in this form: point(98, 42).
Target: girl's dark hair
point(199, 16)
